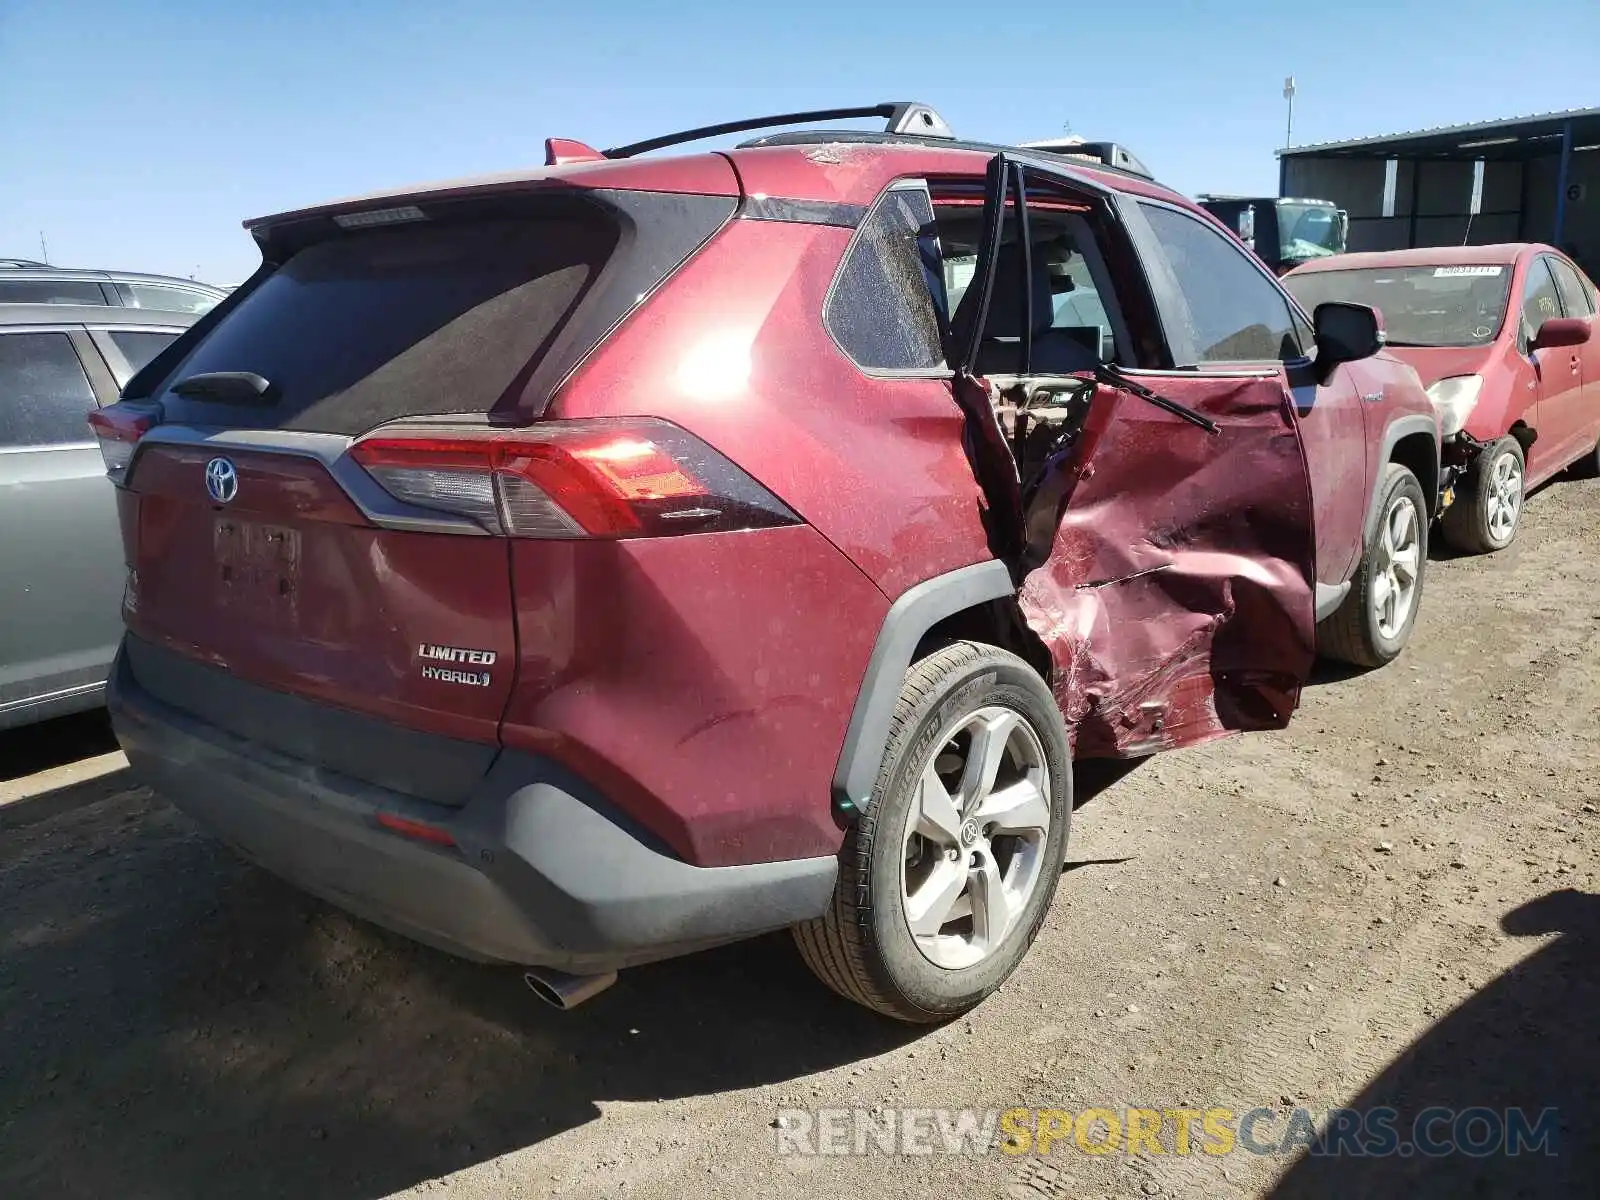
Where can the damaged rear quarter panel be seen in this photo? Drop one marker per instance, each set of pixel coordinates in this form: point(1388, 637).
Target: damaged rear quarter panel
point(1176, 599)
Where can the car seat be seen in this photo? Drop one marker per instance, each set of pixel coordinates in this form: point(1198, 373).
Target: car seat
point(1055, 351)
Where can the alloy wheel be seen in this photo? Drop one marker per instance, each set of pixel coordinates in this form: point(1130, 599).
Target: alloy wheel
point(1503, 499)
point(1394, 588)
point(974, 837)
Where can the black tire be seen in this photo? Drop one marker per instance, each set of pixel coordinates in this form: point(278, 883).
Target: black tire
point(863, 947)
point(1353, 633)
point(1469, 524)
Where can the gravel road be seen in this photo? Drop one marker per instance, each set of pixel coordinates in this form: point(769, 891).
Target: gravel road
point(1394, 901)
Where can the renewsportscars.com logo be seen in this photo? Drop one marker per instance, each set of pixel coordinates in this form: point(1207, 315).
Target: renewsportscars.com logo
point(1341, 1132)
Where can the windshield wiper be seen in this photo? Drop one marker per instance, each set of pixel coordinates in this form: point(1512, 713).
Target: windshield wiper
point(1112, 376)
point(228, 387)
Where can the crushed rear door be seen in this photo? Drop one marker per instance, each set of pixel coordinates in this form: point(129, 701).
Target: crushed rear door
point(1176, 596)
point(1160, 529)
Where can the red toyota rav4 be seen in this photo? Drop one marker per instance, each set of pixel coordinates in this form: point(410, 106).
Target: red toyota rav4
point(581, 566)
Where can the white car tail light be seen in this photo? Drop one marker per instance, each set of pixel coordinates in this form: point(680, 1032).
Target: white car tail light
point(118, 429)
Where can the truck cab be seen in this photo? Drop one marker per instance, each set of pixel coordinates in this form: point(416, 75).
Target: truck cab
point(1283, 231)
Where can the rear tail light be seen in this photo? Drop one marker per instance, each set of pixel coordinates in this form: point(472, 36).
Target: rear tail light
point(119, 429)
point(573, 479)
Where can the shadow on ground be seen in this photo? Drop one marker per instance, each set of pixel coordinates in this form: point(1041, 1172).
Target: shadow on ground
point(175, 1023)
point(1325, 671)
point(38, 747)
point(1092, 777)
point(1527, 1040)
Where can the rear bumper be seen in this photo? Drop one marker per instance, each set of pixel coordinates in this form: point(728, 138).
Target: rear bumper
point(543, 873)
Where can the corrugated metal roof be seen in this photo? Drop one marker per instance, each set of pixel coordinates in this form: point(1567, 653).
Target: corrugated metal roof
point(1532, 123)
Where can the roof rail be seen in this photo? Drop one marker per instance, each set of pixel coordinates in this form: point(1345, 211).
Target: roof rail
point(1110, 154)
point(21, 262)
point(903, 116)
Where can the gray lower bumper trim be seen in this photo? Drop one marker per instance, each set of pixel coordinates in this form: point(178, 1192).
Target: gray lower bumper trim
point(543, 875)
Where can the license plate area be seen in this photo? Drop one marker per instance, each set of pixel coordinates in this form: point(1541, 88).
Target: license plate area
point(257, 570)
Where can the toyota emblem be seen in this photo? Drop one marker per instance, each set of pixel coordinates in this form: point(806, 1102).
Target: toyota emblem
point(222, 481)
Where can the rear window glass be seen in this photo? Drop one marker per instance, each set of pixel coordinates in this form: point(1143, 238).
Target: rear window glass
point(50, 291)
point(138, 346)
point(404, 321)
point(167, 297)
point(45, 397)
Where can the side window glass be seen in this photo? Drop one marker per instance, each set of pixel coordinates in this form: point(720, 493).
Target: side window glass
point(1075, 301)
point(1573, 297)
point(959, 268)
point(1540, 300)
point(887, 309)
point(1303, 330)
point(1062, 285)
point(50, 291)
point(167, 299)
point(1228, 311)
point(138, 346)
point(45, 397)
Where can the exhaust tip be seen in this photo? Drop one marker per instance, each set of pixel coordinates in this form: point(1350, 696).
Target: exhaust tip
point(563, 991)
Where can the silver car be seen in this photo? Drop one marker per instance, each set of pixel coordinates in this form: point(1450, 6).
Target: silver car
point(23, 281)
point(61, 569)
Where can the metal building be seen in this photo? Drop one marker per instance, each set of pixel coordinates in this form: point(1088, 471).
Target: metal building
point(1539, 181)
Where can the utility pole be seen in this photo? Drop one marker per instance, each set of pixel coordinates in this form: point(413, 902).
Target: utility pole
point(1288, 94)
point(44, 251)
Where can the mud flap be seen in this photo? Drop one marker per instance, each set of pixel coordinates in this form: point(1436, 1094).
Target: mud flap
point(1168, 571)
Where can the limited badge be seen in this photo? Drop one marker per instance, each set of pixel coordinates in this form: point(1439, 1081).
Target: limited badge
point(464, 655)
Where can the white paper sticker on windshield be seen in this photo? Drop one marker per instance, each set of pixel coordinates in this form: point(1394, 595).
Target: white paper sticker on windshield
point(1438, 271)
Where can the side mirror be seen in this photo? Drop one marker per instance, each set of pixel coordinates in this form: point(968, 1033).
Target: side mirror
point(1345, 333)
point(1561, 331)
point(1247, 226)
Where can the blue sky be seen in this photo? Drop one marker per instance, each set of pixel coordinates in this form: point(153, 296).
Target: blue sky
point(138, 134)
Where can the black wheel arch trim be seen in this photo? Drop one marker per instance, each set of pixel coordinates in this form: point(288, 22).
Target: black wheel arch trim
point(909, 618)
point(1398, 430)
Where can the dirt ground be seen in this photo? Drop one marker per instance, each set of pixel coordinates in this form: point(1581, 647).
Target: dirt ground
point(1394, 901)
